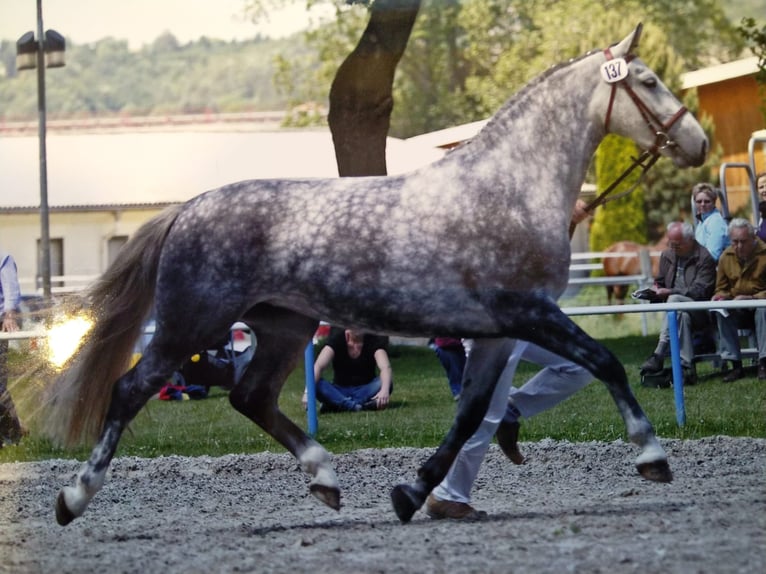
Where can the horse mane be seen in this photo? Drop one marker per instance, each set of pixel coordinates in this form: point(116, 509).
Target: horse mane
point(514, 105)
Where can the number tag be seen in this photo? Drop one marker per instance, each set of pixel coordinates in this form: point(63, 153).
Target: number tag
point(614, 70)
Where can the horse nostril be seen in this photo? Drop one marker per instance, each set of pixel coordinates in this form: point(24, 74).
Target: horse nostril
point(704, 148)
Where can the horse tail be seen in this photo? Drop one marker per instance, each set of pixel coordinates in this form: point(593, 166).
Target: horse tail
point(119, 302)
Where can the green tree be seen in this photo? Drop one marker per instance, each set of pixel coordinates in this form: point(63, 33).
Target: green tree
point(623, 218)
point(756, 40)
point(361, 98)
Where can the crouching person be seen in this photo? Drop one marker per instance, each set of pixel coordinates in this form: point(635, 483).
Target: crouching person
point(354, 357)
point(687, 272)
point(741, 276)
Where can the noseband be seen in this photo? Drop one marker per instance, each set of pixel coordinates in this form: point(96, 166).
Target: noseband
point(660, 130)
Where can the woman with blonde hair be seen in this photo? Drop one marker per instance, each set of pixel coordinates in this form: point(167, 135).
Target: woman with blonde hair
point(710, 227)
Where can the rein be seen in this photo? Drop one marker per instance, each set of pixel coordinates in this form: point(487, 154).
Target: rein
point(662, 140)
point(602, 197)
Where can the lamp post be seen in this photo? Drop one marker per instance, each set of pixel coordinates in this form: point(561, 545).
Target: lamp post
point(47, 50)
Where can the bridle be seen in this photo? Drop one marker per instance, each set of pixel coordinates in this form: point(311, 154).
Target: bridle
point(659, 128)
point(648, 157)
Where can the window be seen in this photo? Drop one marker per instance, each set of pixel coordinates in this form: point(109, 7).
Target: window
point(113, 246)
point(57, 262)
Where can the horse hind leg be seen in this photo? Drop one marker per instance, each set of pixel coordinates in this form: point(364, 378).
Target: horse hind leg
point(129, 395)
point(543, 323)
point(281, 337)
point(485, 364)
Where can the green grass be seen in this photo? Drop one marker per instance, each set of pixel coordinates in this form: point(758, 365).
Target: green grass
point(422, 410)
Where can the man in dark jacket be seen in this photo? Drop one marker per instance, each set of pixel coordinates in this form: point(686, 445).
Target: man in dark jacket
point(687, 273)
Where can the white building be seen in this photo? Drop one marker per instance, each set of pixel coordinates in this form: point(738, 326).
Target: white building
point(104, 183)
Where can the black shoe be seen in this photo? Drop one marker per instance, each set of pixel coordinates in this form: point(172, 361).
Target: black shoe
point(761, 369)
point(737, 372)
point(507, 435)
point(653, 364)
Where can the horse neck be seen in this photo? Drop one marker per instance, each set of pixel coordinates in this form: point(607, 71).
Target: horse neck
point(548, 122)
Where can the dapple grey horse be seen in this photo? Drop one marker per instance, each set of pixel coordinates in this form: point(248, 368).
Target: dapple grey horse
point(474, 245)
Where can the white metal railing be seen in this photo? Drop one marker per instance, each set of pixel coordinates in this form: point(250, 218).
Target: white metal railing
point(59, 284)
point(675, 353)
point(581, 262)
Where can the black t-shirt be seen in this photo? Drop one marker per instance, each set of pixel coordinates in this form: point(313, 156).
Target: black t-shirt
point(350, 372)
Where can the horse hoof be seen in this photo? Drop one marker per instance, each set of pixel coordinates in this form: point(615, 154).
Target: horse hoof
point(406, 502)
point(658, 471)
point(63, 515)
point(329, 495)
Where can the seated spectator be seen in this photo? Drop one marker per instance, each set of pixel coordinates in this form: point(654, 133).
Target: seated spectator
point(710, 230)
point(687, 273)
point(451, 355)
point(760, 186)
point(741, 275)
point(353, 357)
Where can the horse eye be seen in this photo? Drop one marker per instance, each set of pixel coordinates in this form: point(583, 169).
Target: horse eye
point(650, 82)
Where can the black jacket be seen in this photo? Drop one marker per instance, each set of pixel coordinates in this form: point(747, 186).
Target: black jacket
point(700, 273)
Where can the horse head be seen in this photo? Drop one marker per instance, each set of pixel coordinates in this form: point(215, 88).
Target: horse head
point(634, 103)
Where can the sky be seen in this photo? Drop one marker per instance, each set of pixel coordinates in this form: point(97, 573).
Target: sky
point(142, 21)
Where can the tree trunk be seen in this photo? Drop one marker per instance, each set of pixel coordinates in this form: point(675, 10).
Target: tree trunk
point(361, 98)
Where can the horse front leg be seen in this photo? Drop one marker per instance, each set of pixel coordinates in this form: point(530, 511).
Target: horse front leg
point(652, 462)
point(544, 324)
point(486, 361)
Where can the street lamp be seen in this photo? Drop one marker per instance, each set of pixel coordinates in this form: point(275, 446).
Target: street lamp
point(47, 50)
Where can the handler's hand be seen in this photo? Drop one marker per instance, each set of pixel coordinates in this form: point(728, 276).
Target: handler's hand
point(382, 399)
point(9, 322)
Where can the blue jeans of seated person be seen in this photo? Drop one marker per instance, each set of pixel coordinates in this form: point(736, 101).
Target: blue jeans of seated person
point(453, 361)
point(346, 398)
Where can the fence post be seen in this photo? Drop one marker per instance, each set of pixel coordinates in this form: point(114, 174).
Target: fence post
point(675, 363)
point(311, 410)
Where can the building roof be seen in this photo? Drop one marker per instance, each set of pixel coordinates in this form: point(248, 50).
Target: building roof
point(720, 73)
point(161, 167)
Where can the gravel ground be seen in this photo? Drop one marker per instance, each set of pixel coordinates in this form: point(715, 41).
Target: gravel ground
point(572, 508)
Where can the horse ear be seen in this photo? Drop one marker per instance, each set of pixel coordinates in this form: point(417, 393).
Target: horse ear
point(628, 44)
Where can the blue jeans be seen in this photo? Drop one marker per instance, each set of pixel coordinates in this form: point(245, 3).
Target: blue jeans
point(453, 361)
point(346, 398)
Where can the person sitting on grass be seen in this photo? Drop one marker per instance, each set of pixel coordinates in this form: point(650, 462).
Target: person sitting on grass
point(354, 357)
